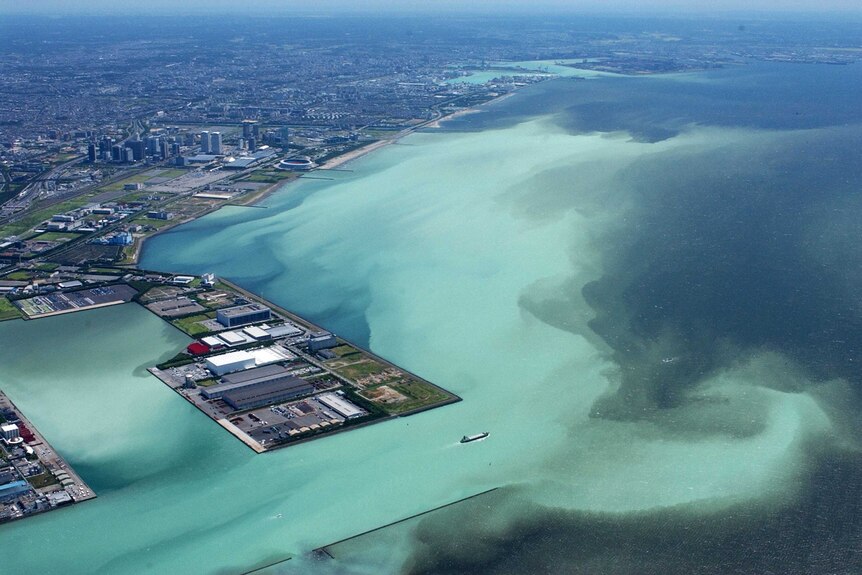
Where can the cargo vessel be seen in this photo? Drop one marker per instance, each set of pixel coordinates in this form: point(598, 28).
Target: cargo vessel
point(477, 437)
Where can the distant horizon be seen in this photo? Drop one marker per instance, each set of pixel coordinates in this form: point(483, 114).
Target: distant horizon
point(658, 8)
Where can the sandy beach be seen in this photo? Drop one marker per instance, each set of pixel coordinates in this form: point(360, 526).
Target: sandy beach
point(357, 153)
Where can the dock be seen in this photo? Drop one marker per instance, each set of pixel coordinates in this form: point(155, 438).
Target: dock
point(56, 484)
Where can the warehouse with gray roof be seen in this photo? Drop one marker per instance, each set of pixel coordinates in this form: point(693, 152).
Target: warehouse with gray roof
point(267, 393)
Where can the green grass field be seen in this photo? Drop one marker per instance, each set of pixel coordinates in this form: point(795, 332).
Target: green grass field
point(345, 350)
point(43, 480)
point(20, 275)
point(268, 177)
point(360, 369)
point(8, 310)
point(191, 324)
point(420, 395)
point(31, 220)
point(158, 224)
point(135, 179)
point(54, 236)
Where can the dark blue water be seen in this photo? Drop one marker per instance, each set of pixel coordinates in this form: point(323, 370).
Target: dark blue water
point(726, 250)
point(749, 248)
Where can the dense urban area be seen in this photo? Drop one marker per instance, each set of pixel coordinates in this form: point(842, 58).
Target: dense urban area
point(108, 138)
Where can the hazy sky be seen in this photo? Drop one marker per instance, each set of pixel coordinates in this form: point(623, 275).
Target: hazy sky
point(269, 6)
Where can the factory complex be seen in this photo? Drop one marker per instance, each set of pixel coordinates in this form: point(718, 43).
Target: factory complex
point(272, 378)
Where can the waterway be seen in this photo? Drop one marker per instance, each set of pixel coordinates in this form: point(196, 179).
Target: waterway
point(639, 286)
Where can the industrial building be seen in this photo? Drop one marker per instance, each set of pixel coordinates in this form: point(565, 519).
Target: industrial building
point(228, 362)
point(250, 160)
point(321, 340)
point(268, 393)
point(241, 360)
point(13, 490)
point(256, 387)
point(286, 330)
point(256, 333)
point(340, 405)
point(243, 379)
point(181, 305)
point(214, 343)
point(243, 315)
point(198, 348)
point(232, 338)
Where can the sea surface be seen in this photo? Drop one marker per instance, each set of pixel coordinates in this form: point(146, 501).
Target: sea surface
point(646, 289)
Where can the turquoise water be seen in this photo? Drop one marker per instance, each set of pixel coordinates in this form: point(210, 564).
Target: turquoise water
point(515, 261)
point(548, 67)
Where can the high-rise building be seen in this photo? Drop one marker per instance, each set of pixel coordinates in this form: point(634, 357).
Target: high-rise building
point(91, 152)
point(138, 149)
point(247, 128)
point(205, 142)
point(153, 145)
point(215, 143)
point(255, 131)
point(252, 144)
point(285, 136)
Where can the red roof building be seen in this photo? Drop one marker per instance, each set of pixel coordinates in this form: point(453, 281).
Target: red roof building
point(198, 348)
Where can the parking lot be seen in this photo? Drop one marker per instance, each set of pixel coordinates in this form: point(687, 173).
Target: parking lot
point(279, 423)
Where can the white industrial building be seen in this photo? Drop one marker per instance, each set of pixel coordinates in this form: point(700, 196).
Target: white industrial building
point(232, 338)
point(214, 343)
point(340, 405)
point(230, 362)
point(240, 360)
point(286, 330)
point(256, 333)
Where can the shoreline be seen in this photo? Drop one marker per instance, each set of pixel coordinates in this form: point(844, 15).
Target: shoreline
point(252, 198)
point(247, 200)
point(66, 478)
point(376, 414)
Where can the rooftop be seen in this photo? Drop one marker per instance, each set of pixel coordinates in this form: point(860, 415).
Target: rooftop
point(272, 388)
point(242, 309)
point(254, 374)
point(228, 358)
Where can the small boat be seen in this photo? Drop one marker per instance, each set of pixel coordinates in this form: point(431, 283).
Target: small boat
point(477, 437)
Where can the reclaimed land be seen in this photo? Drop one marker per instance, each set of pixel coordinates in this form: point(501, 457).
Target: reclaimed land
point(50, 481)
point(379, 389)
